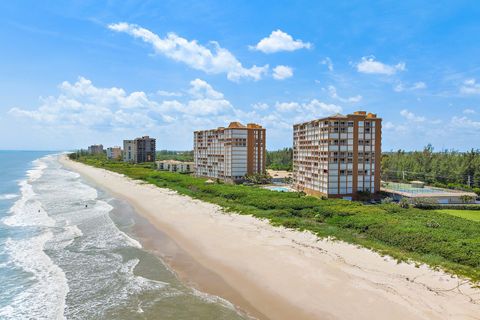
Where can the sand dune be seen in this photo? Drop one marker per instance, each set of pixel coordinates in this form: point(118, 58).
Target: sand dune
point(277, 273)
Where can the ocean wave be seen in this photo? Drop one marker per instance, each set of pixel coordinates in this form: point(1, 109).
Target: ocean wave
point(8, 196)
point(209, 298)
point(39, 167)
point(28, 211)
point(45, 298)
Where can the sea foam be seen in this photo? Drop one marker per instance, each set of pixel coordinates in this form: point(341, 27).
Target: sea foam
point(8, 196)
point(44, 298)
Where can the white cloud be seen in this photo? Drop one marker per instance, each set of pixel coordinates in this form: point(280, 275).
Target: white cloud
point(260, 106)
point(99, 112)
point(372, 66)
point(388, 125)
point(328, 62)
point(419, 85)
point(164, 93)
point(397, 128)
point(83, 105)
point(208, 106)
point(410, 116)
point(280, 41)
point(400, 87)
point(201, 89)
point(282, 72)
point(470, 86)
point(469, 111)
point(465, 123)
point(288, 106)
point(215, 61)
point(308, 110)
point(333, 93)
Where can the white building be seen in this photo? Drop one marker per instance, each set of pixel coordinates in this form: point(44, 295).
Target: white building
point(114, 153)
point(175, 166)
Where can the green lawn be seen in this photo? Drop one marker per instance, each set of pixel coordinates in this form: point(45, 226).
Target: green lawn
point(439, 239)
point(473, 215)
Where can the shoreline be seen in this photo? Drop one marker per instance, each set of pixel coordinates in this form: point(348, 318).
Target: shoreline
point(276, 273)
point(179, 262)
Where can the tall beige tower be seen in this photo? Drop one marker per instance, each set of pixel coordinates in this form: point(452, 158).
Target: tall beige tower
point(230, 153)
point(338, 156)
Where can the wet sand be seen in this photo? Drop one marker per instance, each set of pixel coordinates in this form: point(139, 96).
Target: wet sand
point(187, 269)
point(275, 273)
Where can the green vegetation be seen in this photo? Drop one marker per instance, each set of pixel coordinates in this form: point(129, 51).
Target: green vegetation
point(276, 160)
point(175, 155)
point(436, 238)
point(446, 169)
point(280, 159)
point(473, 215)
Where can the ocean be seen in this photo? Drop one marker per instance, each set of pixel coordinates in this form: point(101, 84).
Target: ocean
point(68, 251)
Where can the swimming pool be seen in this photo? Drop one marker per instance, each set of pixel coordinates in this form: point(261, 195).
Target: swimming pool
point(279, 189)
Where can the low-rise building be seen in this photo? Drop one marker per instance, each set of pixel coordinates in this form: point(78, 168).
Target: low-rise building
point(175, 166)
point(139, 150)
point(417, 191)
point(230, 153)
point(95, 149)
point(280, 176)
point(114, 153)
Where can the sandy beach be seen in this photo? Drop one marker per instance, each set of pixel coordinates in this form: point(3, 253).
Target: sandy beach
point(276, 273)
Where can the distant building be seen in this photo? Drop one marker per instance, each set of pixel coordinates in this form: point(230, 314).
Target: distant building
point(114, 153)
point(280, 176)
point(230, 153)
point(338, 156)
point(139, 150)
point(175, 166)
point(95, 149)
point(129, 151)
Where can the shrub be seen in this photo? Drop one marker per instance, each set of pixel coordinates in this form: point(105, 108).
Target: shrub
point(404, 203)
point(387, 200)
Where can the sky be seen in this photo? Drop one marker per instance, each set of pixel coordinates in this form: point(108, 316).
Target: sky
point(75, 73)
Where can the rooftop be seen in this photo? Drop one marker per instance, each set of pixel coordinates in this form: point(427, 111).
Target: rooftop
point(361, 114)
point(237, 125)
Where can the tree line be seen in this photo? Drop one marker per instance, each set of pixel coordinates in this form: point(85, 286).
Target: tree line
point(447, 168)
point(280, 159)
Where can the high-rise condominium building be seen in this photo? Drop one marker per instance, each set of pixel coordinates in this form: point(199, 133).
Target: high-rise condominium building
point(95, 149)
point(230, 153)
point(139, 150)
point(338, 156)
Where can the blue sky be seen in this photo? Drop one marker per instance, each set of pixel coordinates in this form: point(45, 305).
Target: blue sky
point(83, 72)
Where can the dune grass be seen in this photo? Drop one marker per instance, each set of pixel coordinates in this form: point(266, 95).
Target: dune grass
point(440, 240)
